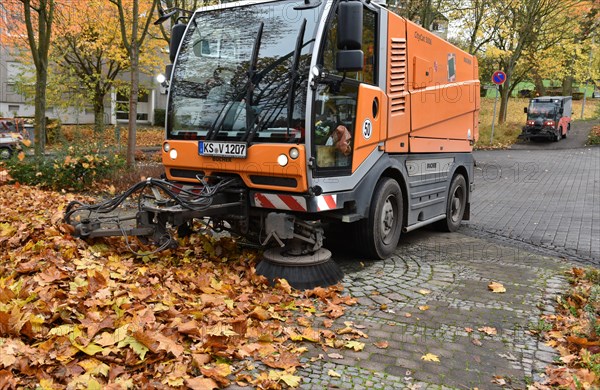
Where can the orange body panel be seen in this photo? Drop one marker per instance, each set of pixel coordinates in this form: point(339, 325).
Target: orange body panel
point(365, 144)
point(433, 89)
point(261, 160)
point(396, 140)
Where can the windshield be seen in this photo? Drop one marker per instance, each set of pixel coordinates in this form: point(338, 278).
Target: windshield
point(221, 91)
point(541, 110)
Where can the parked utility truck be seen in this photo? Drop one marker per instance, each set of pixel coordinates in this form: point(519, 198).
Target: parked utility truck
point(286, 117)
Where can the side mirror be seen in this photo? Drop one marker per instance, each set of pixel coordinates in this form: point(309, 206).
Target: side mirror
point(525, 110)
point(176, 36)
point(349, 57)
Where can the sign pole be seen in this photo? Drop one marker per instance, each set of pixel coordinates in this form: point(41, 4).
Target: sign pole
point(498, 78)
point(494, 115)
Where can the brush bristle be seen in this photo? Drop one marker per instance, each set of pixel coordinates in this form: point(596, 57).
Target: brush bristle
point(303, 277)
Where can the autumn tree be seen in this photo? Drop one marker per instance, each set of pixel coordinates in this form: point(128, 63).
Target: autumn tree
point(480, 21)
point(529, 25)
point(424, 12)
point(178, 6)
point(135, 17)
point(89, 49)
point(36, 18)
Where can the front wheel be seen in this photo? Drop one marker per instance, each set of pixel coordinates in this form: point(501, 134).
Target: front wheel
point(379, 233)
point(558, 135)
point(455, 206)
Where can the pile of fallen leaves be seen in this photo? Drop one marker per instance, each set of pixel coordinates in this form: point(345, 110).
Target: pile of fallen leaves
point(145, 135)
point(93, 315)
point(576, 334)
point(594, 137)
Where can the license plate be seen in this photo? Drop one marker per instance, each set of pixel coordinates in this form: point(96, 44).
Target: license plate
point(222, 149)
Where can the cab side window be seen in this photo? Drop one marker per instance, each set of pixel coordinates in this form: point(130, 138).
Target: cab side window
point(369, 48)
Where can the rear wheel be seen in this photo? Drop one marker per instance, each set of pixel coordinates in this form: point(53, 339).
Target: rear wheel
point(566, 131)
point(379, 233)
point(455, 207)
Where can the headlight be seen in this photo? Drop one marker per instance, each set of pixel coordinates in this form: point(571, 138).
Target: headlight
point(173, 154)
point(282, 160)
point(294, 153)
point(166, 147)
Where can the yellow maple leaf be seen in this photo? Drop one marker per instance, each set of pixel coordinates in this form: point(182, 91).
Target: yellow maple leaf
point(430, 358)
point(424, 291)
point(291, 380)
point(423, 307)
point(334, 374)
point(496, 287)
point(355, 345)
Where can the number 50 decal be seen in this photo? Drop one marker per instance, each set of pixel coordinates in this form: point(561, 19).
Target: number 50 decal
point(367, 129)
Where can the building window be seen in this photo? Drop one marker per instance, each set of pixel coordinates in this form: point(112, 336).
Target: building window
point(13, 108)
point(122, 107)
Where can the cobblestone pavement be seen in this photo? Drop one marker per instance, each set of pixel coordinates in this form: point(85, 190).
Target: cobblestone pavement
point(534, 212)
point(549, 199)
point(446, 274)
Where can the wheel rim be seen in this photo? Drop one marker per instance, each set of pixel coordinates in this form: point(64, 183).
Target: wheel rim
point(4, 154)
point(388, 219)
point(456, 204)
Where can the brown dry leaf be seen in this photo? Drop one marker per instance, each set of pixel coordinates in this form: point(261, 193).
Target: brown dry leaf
point(423, 307)
point(335, 356)
point(468, 330)
point(381, 344)
point(476, 342)
point(201, 383)
point(499, 380)
point(219, 373)
point(407, 315)
point(490, 331)
point(568, 358)
point(496, 287)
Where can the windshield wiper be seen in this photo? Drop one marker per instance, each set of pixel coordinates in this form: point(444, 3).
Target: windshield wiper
point(250, 114)
point(294, 76)
point(250, 85)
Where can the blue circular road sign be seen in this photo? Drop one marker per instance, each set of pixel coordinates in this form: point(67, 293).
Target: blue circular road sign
point(499, 77)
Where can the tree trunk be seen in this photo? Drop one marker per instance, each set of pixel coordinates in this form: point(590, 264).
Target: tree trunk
point(567, 86)
point(98, 113)
point(40, 112)
point(133, 101)
point(504, 94)
point(540, 89)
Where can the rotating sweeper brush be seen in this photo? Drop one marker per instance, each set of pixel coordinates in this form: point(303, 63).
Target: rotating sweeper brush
point(222, 203)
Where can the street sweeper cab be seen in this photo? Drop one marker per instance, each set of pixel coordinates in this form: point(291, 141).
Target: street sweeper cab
point(286, 118)
point(548, 117)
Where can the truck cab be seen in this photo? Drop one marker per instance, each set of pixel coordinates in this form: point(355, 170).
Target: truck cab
point(548, 117)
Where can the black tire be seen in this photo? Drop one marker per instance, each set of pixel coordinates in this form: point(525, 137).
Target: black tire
point(565, 134)
point(557, 136)
point(5, 153)
point(455, 206)
point(378, 234)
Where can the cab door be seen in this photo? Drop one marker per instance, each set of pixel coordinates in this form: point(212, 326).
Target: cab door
point(347, 106)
